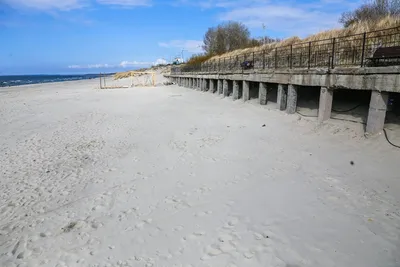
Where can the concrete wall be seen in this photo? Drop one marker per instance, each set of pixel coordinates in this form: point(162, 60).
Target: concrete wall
point(385, 79)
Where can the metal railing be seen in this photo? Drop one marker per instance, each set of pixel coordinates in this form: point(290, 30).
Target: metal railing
point(346, 51)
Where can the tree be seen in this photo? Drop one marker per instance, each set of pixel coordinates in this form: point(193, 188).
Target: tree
point(371, 11)
point(226, 37)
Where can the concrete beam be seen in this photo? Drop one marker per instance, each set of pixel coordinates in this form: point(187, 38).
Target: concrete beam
point(262, 93)
point(246, 90)
point(291, 99)
point(377, 112)
point(225, 89)
point(282, 96)
point(325, 104)
point(235, 90)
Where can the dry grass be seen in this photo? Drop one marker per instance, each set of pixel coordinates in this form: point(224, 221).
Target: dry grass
point(358, 28)
point(127, 74)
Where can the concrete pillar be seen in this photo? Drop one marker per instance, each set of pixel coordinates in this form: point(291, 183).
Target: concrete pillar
point(212, 86)
point(219, 86)
point(377, 112)
point(202, 81)
point(262, 93)
point(325, 104)
point(197, 83)
point(291, 99)
point(225, 90)
point(205, 85)
point(235, 90)
point(282, 96)
point(246, 90)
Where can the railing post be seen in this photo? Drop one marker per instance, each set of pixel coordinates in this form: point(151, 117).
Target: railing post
point(276, 57)
point(263, 59)
point(363, 49)
point(309, 55)
point(219, 64)
point(291, 56)
point(333, 53)
point(253, 60)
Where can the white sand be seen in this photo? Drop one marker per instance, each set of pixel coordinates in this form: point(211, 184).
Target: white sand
point(169, 176)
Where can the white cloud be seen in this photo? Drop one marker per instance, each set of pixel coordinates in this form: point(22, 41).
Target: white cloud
point(289, 19)
point(123, 64)
point(66, 5)
point(91, 66)
point(63, 5)
point(191, 46)
point(160, 61)
point(128, 3)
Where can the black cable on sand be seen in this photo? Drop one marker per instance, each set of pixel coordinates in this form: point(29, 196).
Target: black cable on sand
point(387, 139)
point(347, 110)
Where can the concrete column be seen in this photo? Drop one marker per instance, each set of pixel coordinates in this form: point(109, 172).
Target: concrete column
point(235, 90)
point(377, 112)
point(325, 104)
point(202, 81)
point(197, 83)
point(225, 90)
point(246, 90)
point(282, 96)
point(262, 93)
point(291, 99)
point(205, 85)
point(212, 85)
point(219, 86)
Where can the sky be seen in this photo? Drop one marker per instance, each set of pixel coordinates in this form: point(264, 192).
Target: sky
point(92, 36)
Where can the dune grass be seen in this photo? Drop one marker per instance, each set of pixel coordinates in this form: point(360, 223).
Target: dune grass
point(390, 22)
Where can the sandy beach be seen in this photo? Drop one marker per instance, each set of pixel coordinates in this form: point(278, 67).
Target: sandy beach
point(170, 176)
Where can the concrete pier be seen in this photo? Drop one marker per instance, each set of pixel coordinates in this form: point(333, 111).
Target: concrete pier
point(246, 90)
point(291, 99)
point(262, 93)
point(235, 94)
point(225, 89)
point(325, 104)
point(377, 112)
point(282, 96)
point(219, 87)
point(212, 86)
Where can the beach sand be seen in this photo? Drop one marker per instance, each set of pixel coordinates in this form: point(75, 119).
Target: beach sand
point(169, 176)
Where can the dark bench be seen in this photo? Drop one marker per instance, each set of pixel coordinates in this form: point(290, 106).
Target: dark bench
point(246, 65)
point(386, 54)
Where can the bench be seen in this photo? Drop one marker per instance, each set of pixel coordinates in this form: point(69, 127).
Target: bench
point(246, 65)
point(386, 54)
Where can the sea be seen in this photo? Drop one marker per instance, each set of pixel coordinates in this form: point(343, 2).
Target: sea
point(14, 80)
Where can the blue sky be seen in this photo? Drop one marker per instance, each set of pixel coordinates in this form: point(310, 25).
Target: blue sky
point(91, 36)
